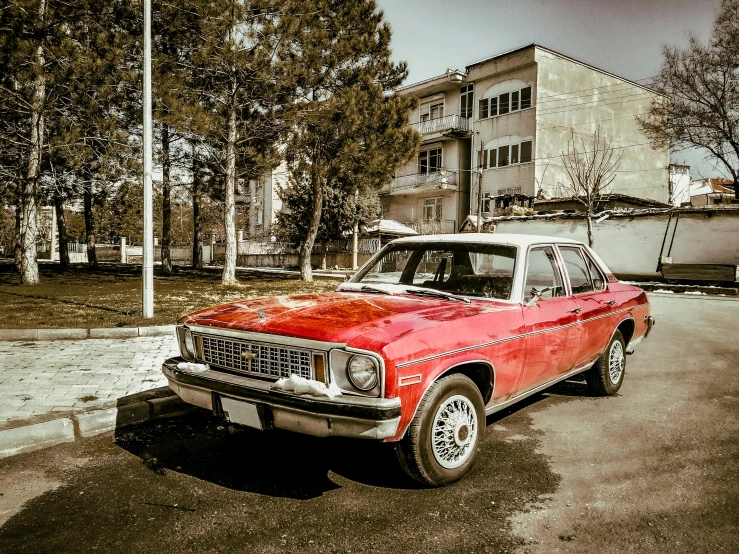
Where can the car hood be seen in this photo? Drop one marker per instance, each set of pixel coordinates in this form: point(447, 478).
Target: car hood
point(365, 319)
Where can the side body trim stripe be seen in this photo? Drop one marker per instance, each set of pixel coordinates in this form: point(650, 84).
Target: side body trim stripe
point(514, 337)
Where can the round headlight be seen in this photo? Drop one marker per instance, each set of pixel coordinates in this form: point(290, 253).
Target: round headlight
point(362, 372)
point(189, 343)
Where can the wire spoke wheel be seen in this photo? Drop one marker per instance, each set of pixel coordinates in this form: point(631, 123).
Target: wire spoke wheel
point(616, 362)
point(454, 432)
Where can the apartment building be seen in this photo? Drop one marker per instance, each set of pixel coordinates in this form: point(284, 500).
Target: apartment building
point(501, 127)
point(259, 201)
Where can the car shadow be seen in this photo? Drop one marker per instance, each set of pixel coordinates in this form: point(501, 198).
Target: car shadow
point(280, 463)
point(275, 463)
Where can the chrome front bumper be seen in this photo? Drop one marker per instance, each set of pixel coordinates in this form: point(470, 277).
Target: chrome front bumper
point(343, 416)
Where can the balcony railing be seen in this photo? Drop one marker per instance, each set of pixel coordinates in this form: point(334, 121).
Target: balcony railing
point(448, 123)
point(434, 227)
point(405, 184)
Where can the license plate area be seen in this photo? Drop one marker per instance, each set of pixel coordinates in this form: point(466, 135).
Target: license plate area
point(242, 412)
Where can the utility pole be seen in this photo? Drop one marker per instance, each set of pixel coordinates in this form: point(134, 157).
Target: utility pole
point(148, 288)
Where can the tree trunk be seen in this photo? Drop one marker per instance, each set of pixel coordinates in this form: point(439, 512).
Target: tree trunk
point(324, 254)
point(355, 233)
point(166, 203)
point(92, 258)
point(17, 236)
point(306, 271)
point(591, 240)
point(197, 196)
point(28, 264)
point(61, 226)
point(229, 262)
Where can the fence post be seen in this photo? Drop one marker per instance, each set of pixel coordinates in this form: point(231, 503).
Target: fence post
point(123, 250)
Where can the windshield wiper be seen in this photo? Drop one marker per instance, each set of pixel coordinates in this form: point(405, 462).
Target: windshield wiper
point(438, 294)
point(366, 288)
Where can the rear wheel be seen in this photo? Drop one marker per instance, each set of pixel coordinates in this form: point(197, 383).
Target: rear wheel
point(607, 374)
point(441, 444)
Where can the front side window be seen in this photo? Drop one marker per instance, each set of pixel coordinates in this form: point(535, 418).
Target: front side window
point(577, 269)
point(543, 277)
point(470, 269)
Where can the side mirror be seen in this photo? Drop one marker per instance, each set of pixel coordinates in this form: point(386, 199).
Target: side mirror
point(535, 295)
point(347, 277)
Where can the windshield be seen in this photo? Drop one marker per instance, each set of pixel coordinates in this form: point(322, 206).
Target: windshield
point(470, 269)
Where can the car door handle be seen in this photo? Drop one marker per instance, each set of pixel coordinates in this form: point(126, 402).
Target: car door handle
point(574, 311)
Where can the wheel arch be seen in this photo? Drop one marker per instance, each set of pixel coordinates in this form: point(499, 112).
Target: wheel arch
point(627, 327)
point(480, 372)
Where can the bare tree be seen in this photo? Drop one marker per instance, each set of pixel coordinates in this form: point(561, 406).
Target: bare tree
point(591, 166)
point(700, 106)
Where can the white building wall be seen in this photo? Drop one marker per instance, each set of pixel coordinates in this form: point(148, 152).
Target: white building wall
point(574, 98)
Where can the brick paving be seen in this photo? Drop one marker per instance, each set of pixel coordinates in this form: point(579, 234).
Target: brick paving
point(43, 379)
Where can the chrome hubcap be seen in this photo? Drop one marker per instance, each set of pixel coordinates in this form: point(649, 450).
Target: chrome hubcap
point(616, 362)
point(454, 432)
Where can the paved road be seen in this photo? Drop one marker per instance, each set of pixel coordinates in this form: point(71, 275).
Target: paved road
point(651, 470)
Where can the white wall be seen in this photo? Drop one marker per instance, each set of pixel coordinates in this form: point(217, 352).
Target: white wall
point(631, 245)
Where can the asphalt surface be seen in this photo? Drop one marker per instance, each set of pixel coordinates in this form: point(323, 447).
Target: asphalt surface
point(653, 469)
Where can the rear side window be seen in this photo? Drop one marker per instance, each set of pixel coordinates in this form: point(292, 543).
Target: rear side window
point(543, 275)
point(584, 276)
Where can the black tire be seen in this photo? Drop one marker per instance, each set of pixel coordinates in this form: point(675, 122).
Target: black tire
point(599, 377)
point(415, 450)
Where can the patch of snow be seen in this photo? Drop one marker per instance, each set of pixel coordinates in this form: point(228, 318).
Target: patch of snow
point(694, 292)
point(301, 385)
point(192, 367)
point(664, 291)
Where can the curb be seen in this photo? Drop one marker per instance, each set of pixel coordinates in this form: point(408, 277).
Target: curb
point(33, 435)
point(689, 289)
point(101, 333)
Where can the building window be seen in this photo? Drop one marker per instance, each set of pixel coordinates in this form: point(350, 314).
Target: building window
point(514, 153)
point(466, 101)
point(525, 98)
point(503, 103)
point(525, 152)
point(432, 209)
point(432, 110)
point(503, 156)
point(429, 161)
point(493, 158)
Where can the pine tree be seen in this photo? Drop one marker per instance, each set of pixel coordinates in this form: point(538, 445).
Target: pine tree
point(350, 129)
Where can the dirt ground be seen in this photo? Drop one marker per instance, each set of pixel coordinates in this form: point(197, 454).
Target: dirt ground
point(650, 470)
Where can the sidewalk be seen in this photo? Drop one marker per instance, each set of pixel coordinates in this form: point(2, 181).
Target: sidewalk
point(57, 391)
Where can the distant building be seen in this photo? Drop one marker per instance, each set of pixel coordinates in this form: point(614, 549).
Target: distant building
point(260, 201)
point(504, 122)
point(710, 191)
point(679, 194)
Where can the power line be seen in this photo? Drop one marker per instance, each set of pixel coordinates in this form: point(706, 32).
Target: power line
point(595, 88)
point(595, 103)
point(554, 125)
point(614, 91)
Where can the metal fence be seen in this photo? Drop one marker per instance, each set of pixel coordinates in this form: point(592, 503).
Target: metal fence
point(343, 246)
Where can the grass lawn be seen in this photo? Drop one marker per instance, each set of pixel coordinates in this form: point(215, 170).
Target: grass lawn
point(111, 295)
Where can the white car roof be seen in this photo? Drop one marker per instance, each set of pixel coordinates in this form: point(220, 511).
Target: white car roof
point(522, 241)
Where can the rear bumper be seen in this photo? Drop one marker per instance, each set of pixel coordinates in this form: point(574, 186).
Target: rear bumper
point(345, 416)
point(650, 321)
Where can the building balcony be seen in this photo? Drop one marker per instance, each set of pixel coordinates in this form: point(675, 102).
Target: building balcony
point(422, 182)
point(452, 126)
point(434, 227)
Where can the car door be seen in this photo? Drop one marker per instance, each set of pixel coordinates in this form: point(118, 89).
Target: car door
point(589, 289)
point(551, 323)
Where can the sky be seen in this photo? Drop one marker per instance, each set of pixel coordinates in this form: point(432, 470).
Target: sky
point(624, 37)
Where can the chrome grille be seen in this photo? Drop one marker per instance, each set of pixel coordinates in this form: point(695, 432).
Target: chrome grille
point(262, 359)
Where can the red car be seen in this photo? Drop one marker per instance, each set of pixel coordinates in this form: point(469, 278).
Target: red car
point(429, 336)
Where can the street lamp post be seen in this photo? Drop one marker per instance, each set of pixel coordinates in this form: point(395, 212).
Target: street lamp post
point(148, 261)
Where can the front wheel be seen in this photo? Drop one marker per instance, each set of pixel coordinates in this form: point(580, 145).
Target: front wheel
point(607, 374)
point(441, 444)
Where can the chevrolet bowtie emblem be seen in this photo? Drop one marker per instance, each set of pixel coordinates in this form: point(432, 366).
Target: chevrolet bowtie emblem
point(248, 355)
point(260, 314)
